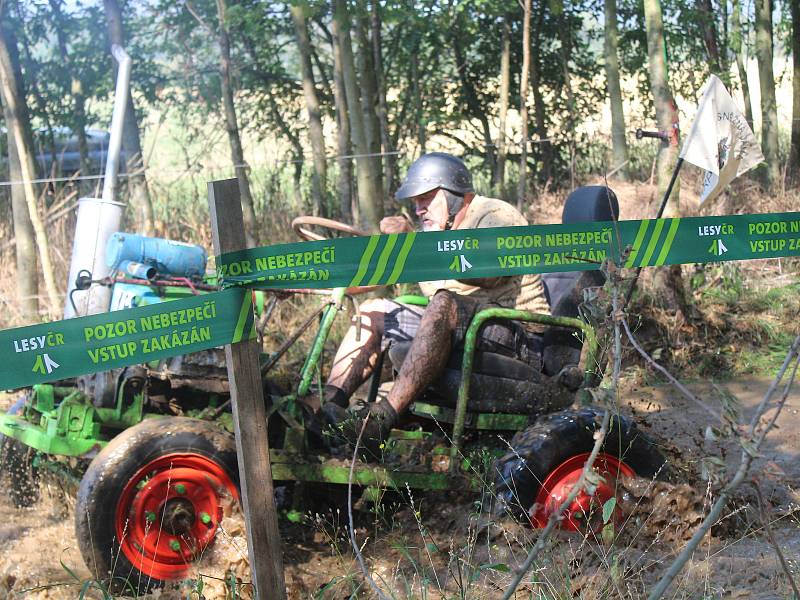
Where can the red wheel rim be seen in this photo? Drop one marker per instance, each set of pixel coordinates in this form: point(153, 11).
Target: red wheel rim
point(585, 512)
point(169, 511)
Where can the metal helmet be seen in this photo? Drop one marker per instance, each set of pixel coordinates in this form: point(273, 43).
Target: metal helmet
point(435, 170)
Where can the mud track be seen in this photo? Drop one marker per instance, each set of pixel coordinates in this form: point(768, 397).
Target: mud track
point(428, 545)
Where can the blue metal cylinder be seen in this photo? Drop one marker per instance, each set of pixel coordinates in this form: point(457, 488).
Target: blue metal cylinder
point(178, 259)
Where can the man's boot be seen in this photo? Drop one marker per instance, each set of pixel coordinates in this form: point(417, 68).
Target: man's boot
point(313, 418)
point(344, 426)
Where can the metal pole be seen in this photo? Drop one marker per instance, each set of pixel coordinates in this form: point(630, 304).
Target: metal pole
point(117, 121)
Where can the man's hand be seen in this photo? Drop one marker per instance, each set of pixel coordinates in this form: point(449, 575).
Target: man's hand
point(398, 224)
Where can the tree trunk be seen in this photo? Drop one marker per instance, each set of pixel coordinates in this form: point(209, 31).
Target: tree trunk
point(769, 109)
point(31, 66)
point(76, 89)
point(619, 145)
point(24, 237)
point(667, 281)
point(468, 86)
point(666, 111)
point(369, 95)
point(232, 127)
point(416, 92)
point(18, 124)
point(709, 26)
point(505, 83)
point(557, 7)
point(297, 176)
point(370, 195)
point(523, 104)
point(324, 80)
point(794, 150)
point(344, 163)
point(319, 176)
point(389, 166)
point(737, 48)
point(131, 141)
point(544, 146)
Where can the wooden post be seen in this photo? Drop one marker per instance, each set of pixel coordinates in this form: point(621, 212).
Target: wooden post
point(249, 416)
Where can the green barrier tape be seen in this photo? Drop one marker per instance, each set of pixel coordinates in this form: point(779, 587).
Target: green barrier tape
point(494, 252)
point(84, 345)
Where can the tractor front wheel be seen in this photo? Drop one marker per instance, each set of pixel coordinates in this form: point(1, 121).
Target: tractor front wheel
point(151, 502)
point(546, 460)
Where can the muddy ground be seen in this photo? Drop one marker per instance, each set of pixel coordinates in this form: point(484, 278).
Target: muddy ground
point(428, 546)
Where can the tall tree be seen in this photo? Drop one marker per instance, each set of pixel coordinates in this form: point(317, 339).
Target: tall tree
point(417, 95)
point(794, 151)
point(619, 145)
point(18, 123)
point(737, 48)
point(380, 84)
point(565, 48)
point(370, 194)
point(523, 103)
point(708, 25)
point(769, 105)
point(319, 175)
point(76, 88)
point(469, 86)
point(667, 280)
point(344, 162)
point(369, 91)
point(232, 126)
point(131, 141)
point(27, 276)
point(664, 102)
point(505, 84)
point(543, 145)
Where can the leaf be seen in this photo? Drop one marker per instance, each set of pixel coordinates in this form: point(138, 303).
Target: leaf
point(711, 468)
point(750, 448)
point(69, 571)
point(501, 567)
point(607, 534)
point(608, 508)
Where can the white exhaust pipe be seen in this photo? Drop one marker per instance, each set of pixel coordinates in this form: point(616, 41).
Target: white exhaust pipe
point(117, 122)
point(98, 218)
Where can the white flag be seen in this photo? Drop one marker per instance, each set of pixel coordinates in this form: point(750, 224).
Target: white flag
point(721, 141)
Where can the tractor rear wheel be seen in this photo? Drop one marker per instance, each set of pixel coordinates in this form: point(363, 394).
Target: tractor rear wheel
point(150, 503)
point(537, 474)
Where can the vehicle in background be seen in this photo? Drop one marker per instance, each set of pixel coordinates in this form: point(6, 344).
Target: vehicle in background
point(63, 158)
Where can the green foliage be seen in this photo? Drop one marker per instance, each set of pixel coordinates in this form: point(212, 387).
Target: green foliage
point(440, 66)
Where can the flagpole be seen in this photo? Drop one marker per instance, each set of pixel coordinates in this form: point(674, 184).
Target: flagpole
point(661, 209)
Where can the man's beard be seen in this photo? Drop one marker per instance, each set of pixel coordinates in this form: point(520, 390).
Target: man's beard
point(426, 225)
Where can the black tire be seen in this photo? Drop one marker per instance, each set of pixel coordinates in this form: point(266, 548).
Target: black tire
point(17, 466)
point(100, 495)
point(558, 436)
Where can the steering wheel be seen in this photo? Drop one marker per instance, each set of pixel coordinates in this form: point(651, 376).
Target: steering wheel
point(300, 225)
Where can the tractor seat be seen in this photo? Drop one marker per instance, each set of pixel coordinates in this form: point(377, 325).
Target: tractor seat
point(505, 384)
point(564, 291)
point(499, 384)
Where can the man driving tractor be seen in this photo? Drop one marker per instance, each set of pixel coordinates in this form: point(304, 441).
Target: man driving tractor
point(440, 187)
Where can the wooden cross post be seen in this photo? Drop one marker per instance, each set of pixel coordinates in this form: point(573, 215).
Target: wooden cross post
point(249, 416)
